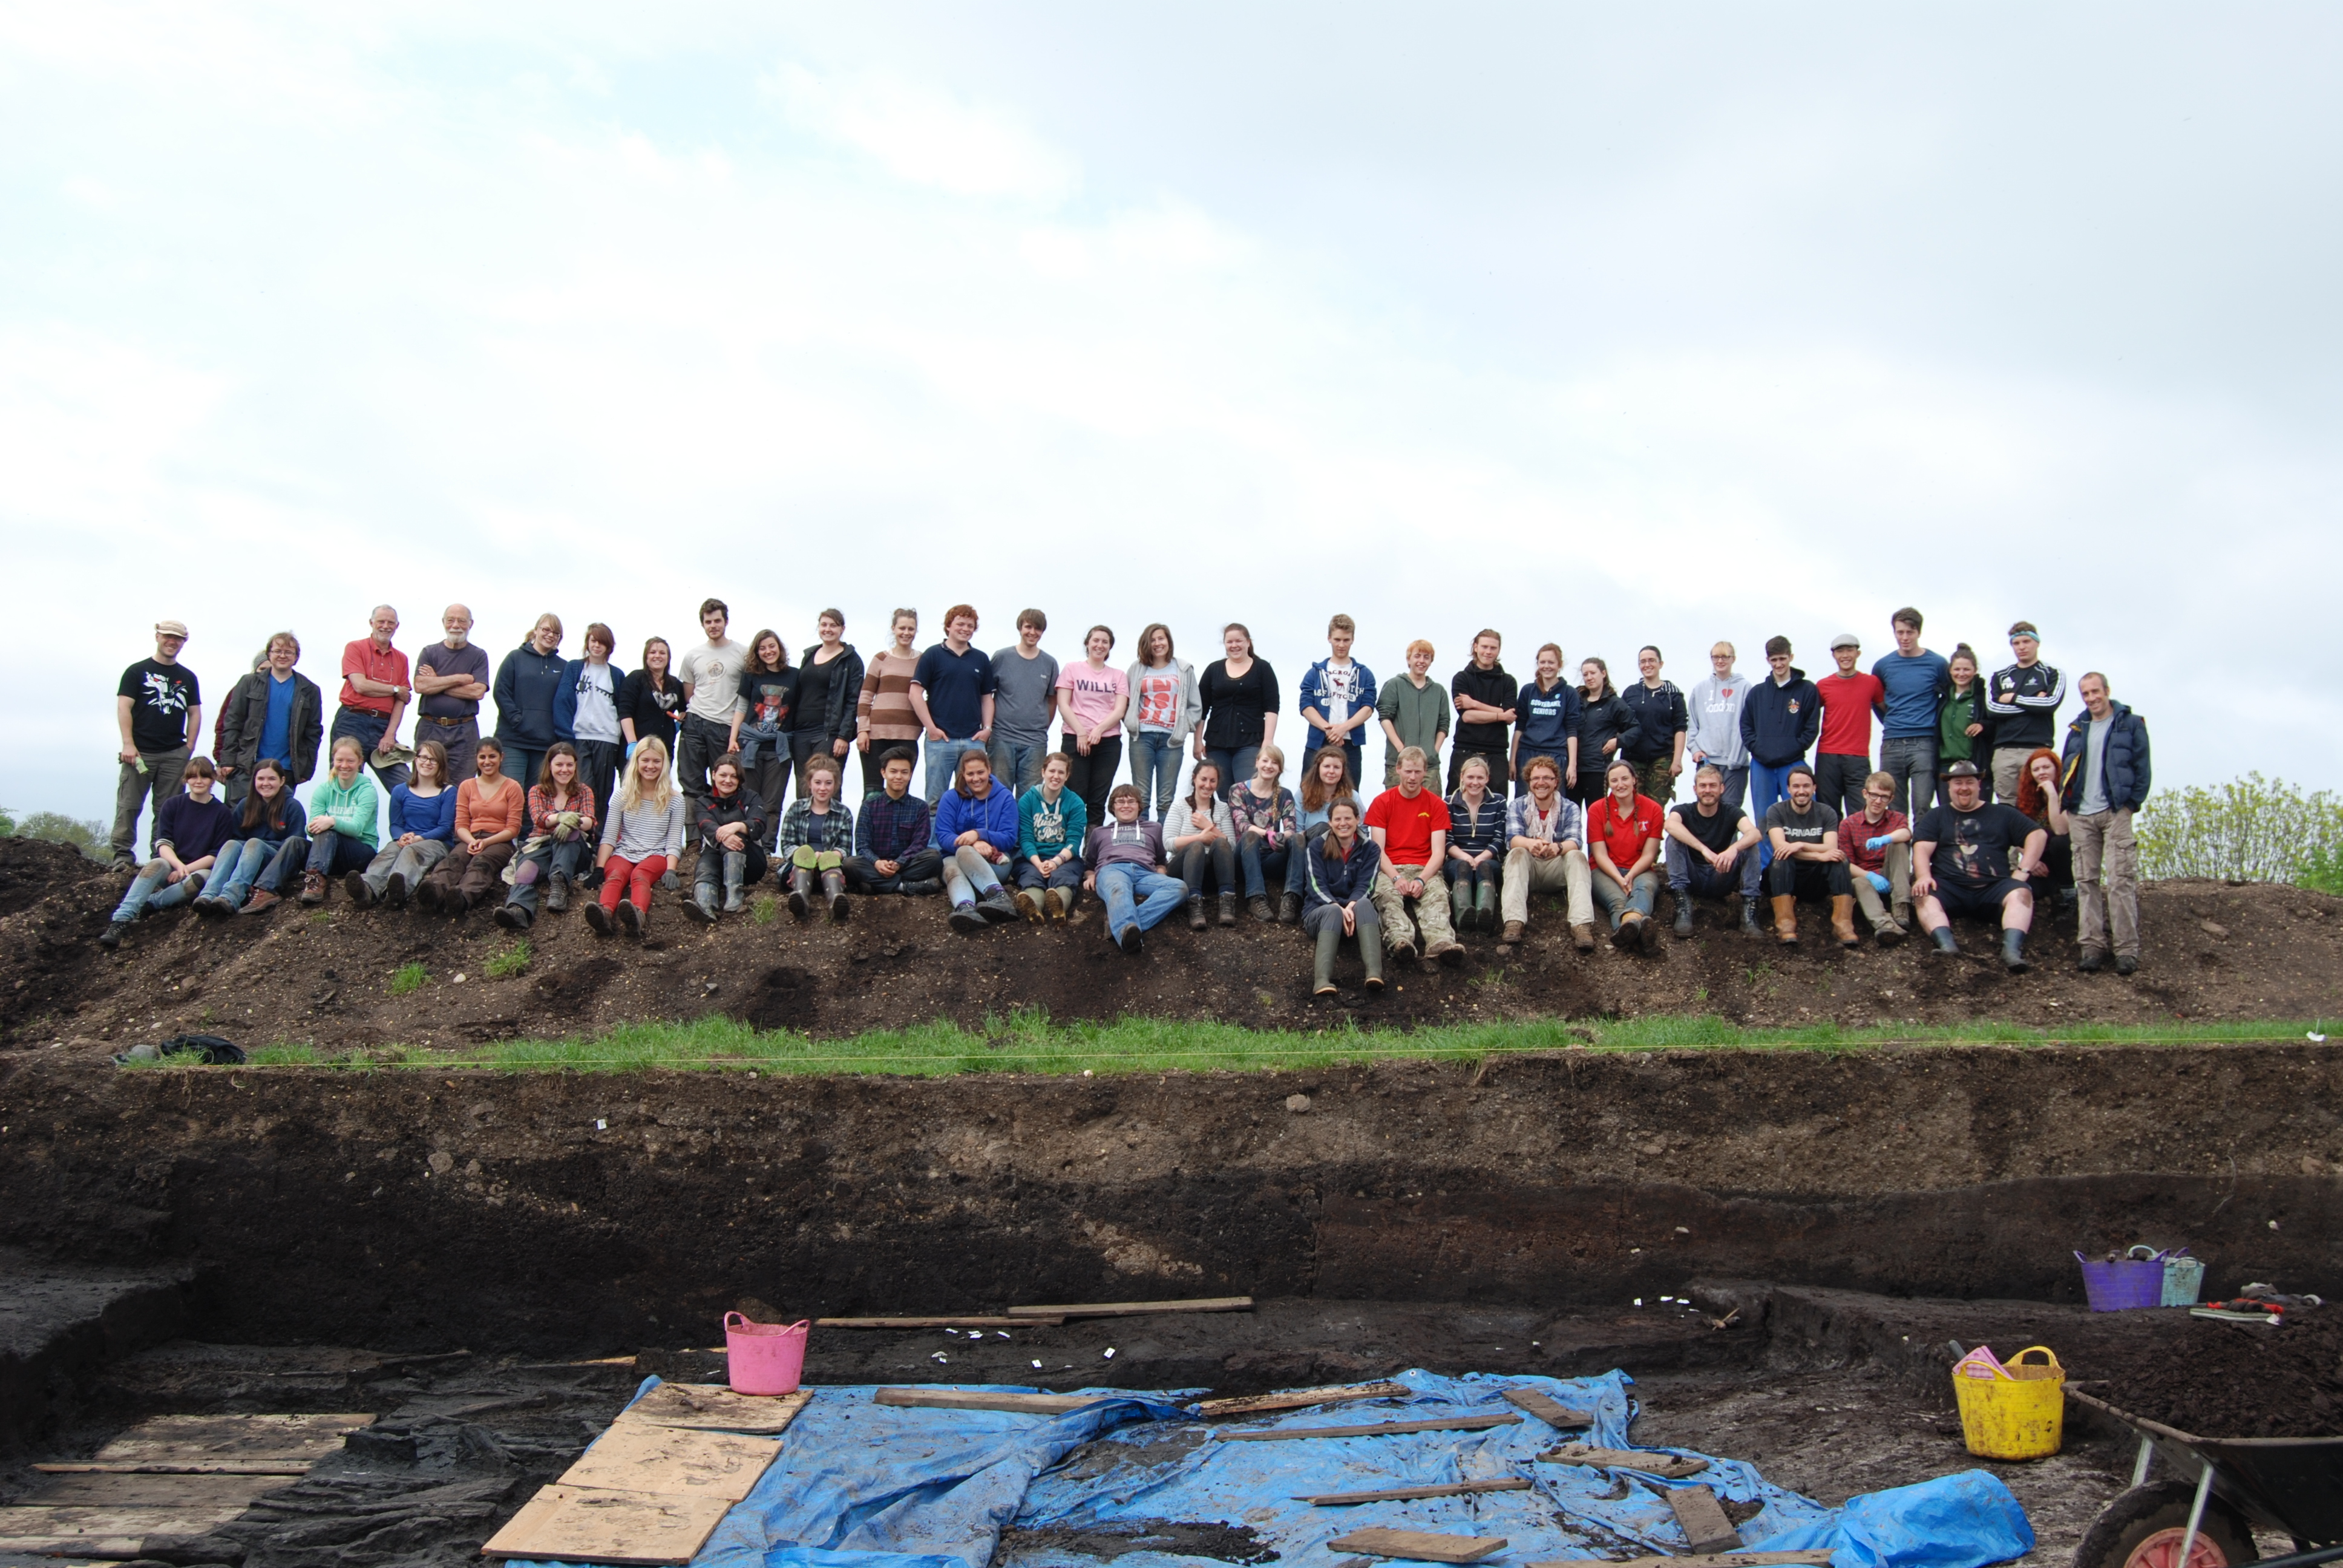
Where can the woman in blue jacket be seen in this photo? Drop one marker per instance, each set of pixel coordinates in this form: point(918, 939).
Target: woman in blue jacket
point(422, 832)
point(1343, 865)
point(586, 713)
point(976, 833)
point(270, 819)
point(527, 688)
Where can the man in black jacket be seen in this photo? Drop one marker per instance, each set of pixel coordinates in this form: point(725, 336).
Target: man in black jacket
point(2103, 780)
point(2023, 699)
point(1779, 721)
point(274, 712)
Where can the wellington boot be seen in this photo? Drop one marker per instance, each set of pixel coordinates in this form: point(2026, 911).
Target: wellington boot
point(1485, 902)
point(736, 870)
point(1785, 919)
point(833, 889)
point(801, 893)
point(1842, 920)
point(2013, 952)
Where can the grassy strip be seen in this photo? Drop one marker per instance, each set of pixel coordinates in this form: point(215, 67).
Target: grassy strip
point(1029, 1043)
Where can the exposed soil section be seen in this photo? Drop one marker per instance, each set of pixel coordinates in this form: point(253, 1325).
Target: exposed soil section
point(2212, 952)
point(2235, 1380)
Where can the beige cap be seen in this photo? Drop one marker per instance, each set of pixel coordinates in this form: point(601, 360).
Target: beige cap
point(178, 628)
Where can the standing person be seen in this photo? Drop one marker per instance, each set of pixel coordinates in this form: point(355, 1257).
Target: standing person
point(1025, 703)
point(2040, 797)
point(158, 707)
point(1414, 711)
point(270, 819)
point(1237, 698)
point(1268, 838)
point(954, 693)
point(1094, 700)
point(1486, 706)
point(190, 830)
point(1341, 878)
point(1604, 721)
point(1623, 834)
point(1545, 849)
point(1476, 849)
point(1052, 821)
point(491, 810)
point(817, 836)
point(451, 676)
point(729, 824)
point(1338, 698)
point(644, 838)
point(1715, 735)
point(274, 712)
point(2105, 780)
point(1877, 843)
point(894, 837)
point(1779, 720)
point(976, 834)
point(2024, 700)
point(343, 807)
point(650, 701)
point(422, 832)
point(1163, 713)
point(1913, 683)
point(884, 720)
point(586, 714)
point(761, 723)
point(1711, 851)
point(1849, 698)
point(711, 674)
point(375, 693)
point(830, 681)
point(528, 687)
point(1655, 743)
point(1125, 856)
point(1963, 725)
point(1199, 840)
point(1409, 824)
point(1808, 860)
point(560, 836)
point(1550, 718)
point(1962, 865)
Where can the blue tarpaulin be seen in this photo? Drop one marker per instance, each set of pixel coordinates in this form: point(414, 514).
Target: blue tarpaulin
point(1137, 1478)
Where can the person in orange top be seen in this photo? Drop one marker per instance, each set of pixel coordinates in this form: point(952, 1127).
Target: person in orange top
point(1624, 831)
point(490, 811)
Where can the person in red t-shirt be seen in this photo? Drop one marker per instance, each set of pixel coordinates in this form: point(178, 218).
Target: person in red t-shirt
point(1410, 827)
point(1849, 699)
point(1624, 831)
point(375, 693)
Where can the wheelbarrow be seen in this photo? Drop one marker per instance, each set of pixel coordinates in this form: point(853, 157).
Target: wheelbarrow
point(2222, 1488)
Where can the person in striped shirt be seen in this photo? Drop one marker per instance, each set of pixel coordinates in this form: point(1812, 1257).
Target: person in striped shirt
point(884, 717)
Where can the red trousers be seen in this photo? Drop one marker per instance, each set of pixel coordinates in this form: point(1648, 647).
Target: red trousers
point(624, 879)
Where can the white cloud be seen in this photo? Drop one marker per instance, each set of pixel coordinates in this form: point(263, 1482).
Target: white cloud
point(922, 135)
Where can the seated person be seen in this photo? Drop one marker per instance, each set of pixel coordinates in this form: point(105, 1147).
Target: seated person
point(894, 847)
point(1268, 835)
point(1199, 840)
point(270, 819)
point(1545, 851)
point(1325, 781)
point(1712, 850)
point(1125, 856)
point(2040, 795)
point(561, 834)
point(730, 827)
point(1962, 865)
point(191, 828)
point(422, 832)
point(1409, 824)
point(1808, 860)
point(976, 834)
point(1623, 835)
point(1051, 823)
point(342, 807)
point(490, 811)
point(817, 835)
point(1476, 847)
point(1340, 891)
point(1877, 843)
point(642, 836)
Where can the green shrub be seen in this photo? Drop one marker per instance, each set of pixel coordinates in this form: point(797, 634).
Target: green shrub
point(409, 979)
point(509, 962)
point(2322, 871)
point(88, 837)
point(2252, 830)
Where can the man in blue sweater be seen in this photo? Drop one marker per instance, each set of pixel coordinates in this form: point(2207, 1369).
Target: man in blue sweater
point(1779, 721)
point(1915, 681)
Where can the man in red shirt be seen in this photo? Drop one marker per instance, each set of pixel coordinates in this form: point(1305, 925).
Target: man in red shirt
point(1850, 698)
point(1624, 831)
point(1410, 827)
point(375, 693)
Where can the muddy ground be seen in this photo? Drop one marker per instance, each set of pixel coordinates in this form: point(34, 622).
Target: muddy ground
point(323, 976)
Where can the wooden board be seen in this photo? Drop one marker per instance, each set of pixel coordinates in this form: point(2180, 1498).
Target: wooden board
point(184, 1439)
point(1410, 1493)
point(1137, 1309)
point(1667, 1466)
point(144, 1490)
point(980, 1399)
point(672, 1462)
point(1452, 1424)
point(711, 1408)
point(120, 1532)
point(277, 1467)
point(586, 1525)
point(1421, 1545)
point(1721, 1560)
point(1548, 1409)
point(1705, 1527)
point(1024, 1321)
point(1300, 1399)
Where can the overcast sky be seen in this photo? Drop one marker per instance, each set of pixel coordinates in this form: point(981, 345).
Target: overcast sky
point(1603, 326)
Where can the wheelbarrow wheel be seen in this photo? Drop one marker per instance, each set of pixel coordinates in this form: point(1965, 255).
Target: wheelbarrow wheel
point(2143, 1529)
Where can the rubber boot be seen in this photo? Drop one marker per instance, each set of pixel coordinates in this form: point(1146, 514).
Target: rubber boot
point(1749, 925)
point(1944, 938)
point(1785, 919)
point(1196, 913)
point(834, 888)
point(1684, 914)
point(1330, 939)
point(701, 906)
point(2013, 952)
point(1843, 920)
point(800, 892)
point(1485, 902)
point(1228, 908)
point(1372, 954)
point(735, 867)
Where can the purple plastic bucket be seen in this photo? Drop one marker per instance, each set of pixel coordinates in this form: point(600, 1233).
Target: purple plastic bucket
point(2125, 1284)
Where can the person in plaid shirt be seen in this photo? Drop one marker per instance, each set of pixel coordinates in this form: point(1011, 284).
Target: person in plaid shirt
point(817, 835)
point(894, 850)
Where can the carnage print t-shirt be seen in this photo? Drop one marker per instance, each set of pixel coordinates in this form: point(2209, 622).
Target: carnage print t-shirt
point(1973, 847)
point(160, 695)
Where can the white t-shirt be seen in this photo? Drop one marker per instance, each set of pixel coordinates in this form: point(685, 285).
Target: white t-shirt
point(712, 670)
point(598, 704)
point(1342, 691)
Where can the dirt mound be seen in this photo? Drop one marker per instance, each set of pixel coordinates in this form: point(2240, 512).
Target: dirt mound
point(32, 869)
point(2230, 1380)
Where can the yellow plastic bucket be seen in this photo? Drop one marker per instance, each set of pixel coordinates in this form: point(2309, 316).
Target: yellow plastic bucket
point(2015, 1410)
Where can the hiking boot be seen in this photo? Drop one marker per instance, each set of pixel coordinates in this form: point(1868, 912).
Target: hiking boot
point(427, 895)
point(111, 938)
point(1130, 941)
point(598, 918)
point(1684, 917)
point(631, 919)
point(393, 891)
point(514, 918)
point(557, 896)
point(998, 907)
point(1053, 906)
point(1257, 906)
point(1228, 908)
point(1749, 923)
point(1450, 953)
point(1888, 934)
point(1785, 919)
point(1029, 906)
point(2013, 952)
point(2093, 960)
point(1843, 920)
point(1511, 937)
point(1289, 909)
point(262, 899)
point(2125, 964)
point(313, 887)
point(700, 908)
point(1196, 922)
point(834, 888)
point(354, 885)
point(1627, 935)
point(964, 919)
point(1582, 937)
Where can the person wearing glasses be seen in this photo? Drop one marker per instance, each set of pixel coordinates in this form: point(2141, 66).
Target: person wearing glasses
point(1714, 737)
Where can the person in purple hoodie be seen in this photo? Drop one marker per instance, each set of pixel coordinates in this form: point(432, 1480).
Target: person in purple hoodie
point(1125, 856)
point(976, 833)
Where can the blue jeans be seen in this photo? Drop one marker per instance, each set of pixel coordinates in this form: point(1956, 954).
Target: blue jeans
point(1017, 763)
point(522, 764)
point(1615, 904)
point(241, 863)
point(148, 890)
point(1235, 767)
point(337, 853)
point(1693, 877)
point(1913, 759)
point(969, 876)
point(548, 860)
point(1768, 784)
point(943, 764)
point(1155, 769)
point(1286, 863)
point(368, 729)
point(1135, 896)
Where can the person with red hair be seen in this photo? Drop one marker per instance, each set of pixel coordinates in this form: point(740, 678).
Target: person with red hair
point(2038, 797)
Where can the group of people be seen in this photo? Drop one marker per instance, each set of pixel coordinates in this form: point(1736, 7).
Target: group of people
point(593, 779)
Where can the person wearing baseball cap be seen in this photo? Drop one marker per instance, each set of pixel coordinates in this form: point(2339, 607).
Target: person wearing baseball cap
point(1850, 698)
point(159, 708)
point(1962, 865)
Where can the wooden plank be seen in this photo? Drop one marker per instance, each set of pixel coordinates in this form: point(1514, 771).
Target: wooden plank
point(139, 1489)
point(1410, 1493)
point(280, 1467)
point(1667, 1466)
point(1300, 1399)
point(1023, 1321)
point(711, 1408)
point(183, 1438)
point(1705, 1527)
point(1721, 1560)
point(107, 1532)
point(1137, 1309)
point(587, 1524)
point(1421, 1545)
point(1548, 1409)
point(672, 1462)
point(1450, 1423)
point(980, 1399)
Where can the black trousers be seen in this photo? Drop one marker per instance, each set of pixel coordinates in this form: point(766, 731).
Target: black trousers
point(1092, 778)
point(1808, 878)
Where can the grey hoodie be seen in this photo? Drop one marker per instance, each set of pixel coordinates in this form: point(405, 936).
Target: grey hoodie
point(1716, 708)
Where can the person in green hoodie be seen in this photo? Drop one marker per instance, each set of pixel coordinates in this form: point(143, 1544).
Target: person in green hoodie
point(1964, 727)
point(340, 827)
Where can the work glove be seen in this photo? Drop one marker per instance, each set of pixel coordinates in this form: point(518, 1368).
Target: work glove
point(1878, 882)
point(1875, 843)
